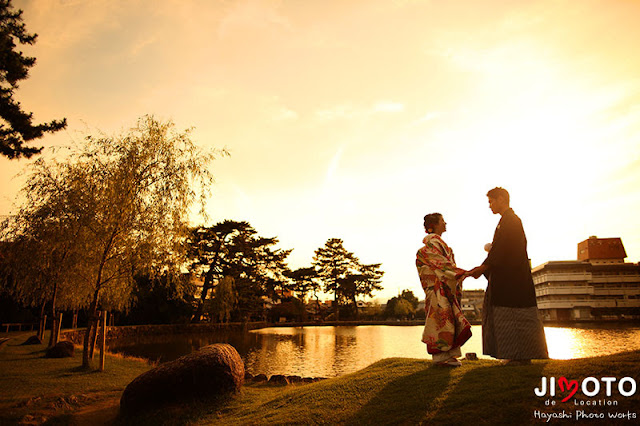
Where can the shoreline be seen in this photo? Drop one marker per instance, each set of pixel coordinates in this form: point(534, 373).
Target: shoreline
point(117, 332)
point(126, 331)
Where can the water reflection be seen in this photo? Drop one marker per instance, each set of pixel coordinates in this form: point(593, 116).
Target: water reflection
point(567, 343)
point(334, 351)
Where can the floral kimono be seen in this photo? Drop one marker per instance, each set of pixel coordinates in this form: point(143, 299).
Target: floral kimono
point(445, 327)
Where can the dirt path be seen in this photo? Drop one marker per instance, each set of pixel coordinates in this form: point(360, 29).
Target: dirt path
point(100, 408)
point(103, 412)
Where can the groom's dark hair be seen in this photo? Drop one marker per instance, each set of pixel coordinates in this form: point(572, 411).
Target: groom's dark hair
point(499, 192)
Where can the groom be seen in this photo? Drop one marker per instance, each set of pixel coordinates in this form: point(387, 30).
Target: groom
point(511, 328)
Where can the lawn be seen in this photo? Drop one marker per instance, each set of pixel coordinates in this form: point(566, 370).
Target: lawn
point(38, 388)
point(392, 391)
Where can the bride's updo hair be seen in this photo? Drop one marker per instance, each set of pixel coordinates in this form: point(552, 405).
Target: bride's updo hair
point(430, 221)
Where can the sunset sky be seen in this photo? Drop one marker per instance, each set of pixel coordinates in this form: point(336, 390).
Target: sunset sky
point(354, 118)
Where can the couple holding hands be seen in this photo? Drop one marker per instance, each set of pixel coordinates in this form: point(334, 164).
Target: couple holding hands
point(511, 328)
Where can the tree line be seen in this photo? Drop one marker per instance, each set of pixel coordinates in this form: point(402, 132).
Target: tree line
point(112, 217)
point(241, 269)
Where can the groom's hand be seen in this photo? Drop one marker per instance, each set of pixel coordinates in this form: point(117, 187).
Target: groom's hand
point(477, 271)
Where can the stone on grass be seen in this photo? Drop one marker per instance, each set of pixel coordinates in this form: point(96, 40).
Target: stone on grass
point(63, 349)
point(260, 378)
point(294, 379)
point(214, 370)
point(279, 379)
point(33, 340)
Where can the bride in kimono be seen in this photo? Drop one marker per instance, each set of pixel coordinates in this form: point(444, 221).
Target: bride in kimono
point(446, 329)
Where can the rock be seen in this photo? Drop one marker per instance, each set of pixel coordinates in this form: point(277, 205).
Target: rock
point(33, 340)
point(63, 349)
point(260, 378)
point(279, 379)
point(294, 379)
point(211, 371)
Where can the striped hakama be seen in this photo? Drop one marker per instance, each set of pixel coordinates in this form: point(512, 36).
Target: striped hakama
point(512, 333)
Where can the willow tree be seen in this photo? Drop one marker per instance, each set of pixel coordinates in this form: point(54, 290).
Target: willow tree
point(40, 241)
point(224, 300)
point(132, 194)
point(39, 265)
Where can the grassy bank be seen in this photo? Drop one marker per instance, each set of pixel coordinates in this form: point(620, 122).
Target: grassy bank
point(34, 389)
point(391, 391)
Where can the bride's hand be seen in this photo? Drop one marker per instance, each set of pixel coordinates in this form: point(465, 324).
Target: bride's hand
point(462, 275)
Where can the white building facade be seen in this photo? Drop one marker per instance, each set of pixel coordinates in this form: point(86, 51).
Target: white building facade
point(598, 286)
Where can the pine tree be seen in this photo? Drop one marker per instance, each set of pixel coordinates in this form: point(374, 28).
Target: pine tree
point(208, 247)
point(364, 282)
point(235, 249)
point(334, 263)
point(16, 125)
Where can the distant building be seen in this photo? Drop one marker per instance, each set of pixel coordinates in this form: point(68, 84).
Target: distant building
point(599, 285)
point(317, 309)
point(471, 303)
point(198, 283)
point(601, 250)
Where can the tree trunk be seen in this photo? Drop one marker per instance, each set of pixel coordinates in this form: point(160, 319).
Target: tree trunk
point(53, 339)
point(103, 341)
point(94, 336)
point(43, 322)
point(74, 322)
point(86, 358)
point(355, 306)
point(315, 294)
point(206, 286)
point(53, 330)
point(89, 342)
point(337, 307)
point(334, 278)
point(208, 283)
point(59, 327)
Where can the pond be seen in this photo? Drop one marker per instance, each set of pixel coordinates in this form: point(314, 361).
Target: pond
point(329, 351)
